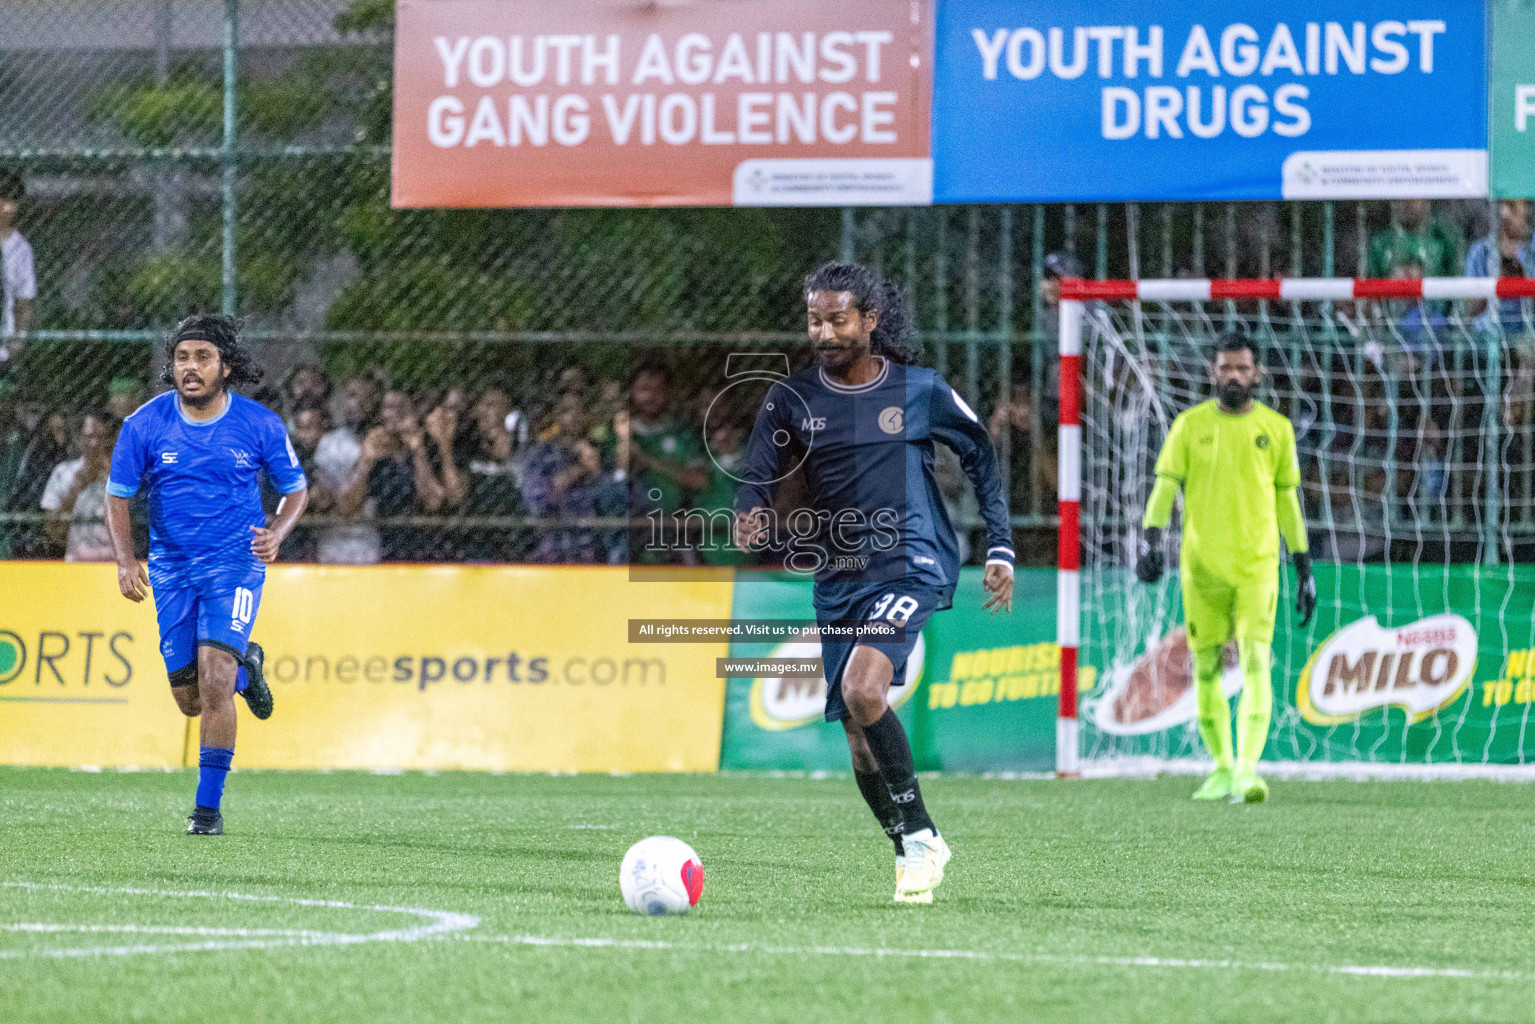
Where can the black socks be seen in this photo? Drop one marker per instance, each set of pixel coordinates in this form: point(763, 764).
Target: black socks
point(877, 795)
point(887, 741)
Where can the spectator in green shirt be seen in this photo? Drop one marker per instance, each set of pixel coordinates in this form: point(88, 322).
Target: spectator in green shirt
point(666, 456)
point(1414, 237)
point(716, 547)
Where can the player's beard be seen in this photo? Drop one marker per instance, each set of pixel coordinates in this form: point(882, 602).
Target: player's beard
point(1234, 395)
point(836, 359)
point(202, 401)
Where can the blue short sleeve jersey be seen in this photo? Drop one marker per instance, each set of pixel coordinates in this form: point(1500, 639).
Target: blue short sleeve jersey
point(204, 485)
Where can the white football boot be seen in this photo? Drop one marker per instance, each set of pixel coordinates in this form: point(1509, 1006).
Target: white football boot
point(902, 897)
point(926, 855)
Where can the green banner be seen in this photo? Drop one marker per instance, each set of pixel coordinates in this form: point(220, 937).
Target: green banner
point(981, 694)
point(1511, 102)
point(1402, 664)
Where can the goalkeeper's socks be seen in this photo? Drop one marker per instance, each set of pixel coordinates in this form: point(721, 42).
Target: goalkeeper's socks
point(887, 739)
point(242, 680)
point(1257, 704)
point(1214, 710)
point(877, 795)
point(212, 767)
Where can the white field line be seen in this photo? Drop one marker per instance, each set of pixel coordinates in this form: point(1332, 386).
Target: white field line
point(1311, 771)
point(435, 923)
point(1053, 959)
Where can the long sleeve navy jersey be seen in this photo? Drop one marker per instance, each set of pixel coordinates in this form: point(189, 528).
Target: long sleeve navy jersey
point(874, 512)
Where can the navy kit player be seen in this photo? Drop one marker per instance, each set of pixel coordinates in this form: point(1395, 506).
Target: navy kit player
point(859, 426)
point(199, 449)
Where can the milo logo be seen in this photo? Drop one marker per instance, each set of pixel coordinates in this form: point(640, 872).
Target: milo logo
point(1419, 668)
point(779, 703)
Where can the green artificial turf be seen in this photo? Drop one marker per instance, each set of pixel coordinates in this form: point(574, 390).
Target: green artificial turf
point(1084, 901)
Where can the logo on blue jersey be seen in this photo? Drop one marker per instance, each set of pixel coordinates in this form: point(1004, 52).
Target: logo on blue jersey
point(169, 458)
point(892, 419)
point(813, 423)
point(242, 459)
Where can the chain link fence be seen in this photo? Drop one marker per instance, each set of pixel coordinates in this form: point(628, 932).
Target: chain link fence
point(184, 155)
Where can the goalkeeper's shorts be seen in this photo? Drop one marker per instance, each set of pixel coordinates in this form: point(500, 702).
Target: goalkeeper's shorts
point(1217, 611)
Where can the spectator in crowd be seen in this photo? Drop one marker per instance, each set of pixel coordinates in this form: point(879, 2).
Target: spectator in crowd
point(310, 423)
point(605, 405)
point(493, 478)
point(394, 472)
point(666, 457)
point(715, 503)
point(1519, 393)
point(124, 396)
point(268, 394)
point(307, 384)
point(28, 453)
point(17, 273)
point(1507, 252)
point(355, 542)
point(1012, 421)
point(561, 483)
point(614, 491)
point(75, 497)
point(1058, 265)
point(1414, 236)
point(1419, 325)
point(1431, 471)
point(60, 431)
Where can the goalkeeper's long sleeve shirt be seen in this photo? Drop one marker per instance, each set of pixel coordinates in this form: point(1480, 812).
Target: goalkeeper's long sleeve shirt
point(1239, 475)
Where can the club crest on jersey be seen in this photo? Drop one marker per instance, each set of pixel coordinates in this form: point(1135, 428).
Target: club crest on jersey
point(892, 419)
point(1262, 441)
point(242, 459)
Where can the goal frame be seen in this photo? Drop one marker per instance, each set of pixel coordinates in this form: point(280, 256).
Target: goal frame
point(1075, 294)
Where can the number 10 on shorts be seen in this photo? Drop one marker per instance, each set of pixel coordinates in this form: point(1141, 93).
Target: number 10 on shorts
point(244, 608)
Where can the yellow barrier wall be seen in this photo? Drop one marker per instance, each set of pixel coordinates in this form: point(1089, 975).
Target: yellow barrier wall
point(81, 680)
point(502, 668)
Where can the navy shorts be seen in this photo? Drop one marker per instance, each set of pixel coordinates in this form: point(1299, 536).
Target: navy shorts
point(217, 613)
point(904, 608)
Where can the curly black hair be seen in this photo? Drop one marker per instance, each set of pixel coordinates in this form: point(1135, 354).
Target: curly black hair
point(893, 334)
point(223, 332)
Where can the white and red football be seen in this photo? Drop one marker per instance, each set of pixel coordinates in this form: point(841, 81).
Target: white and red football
point(661, 875)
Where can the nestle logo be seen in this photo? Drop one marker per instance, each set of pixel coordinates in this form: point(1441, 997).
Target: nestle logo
point(1425, 637)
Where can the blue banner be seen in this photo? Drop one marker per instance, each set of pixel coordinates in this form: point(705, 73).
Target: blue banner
point(1118, 100)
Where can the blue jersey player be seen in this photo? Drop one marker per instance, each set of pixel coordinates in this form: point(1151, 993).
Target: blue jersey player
point(858, 426)
point(199, 450)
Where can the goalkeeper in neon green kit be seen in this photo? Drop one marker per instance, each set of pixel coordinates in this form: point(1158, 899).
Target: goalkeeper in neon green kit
point(1235, 460)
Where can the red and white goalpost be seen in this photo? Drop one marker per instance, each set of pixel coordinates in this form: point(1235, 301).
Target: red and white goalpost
point(1076, 296)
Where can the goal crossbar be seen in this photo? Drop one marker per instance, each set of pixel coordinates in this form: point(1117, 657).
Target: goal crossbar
point(1074, 294)
point(1299, 289)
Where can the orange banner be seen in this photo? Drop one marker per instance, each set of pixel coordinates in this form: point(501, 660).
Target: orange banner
point(719, 102)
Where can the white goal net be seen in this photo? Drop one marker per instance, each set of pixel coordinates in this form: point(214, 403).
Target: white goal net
point(1415, 425)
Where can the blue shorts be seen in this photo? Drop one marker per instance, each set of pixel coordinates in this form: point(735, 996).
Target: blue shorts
point(218, 613)
point(906, 609)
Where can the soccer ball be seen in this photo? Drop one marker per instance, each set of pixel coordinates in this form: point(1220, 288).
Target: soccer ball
point(661, 875)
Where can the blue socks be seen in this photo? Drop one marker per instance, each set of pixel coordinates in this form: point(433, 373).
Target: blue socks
point(241, 680)
point(213, 766)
